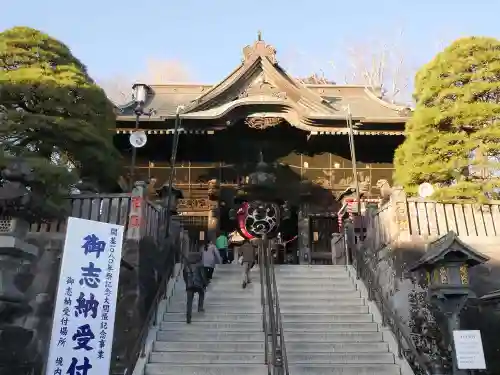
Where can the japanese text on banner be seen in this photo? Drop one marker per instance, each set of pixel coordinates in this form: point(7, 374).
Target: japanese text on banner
point(82, 331)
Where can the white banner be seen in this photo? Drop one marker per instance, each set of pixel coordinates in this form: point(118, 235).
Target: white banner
point(84, 314)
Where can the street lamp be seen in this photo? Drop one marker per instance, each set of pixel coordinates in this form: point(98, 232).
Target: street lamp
point(140, 95)
point(173, 158)
point(446, 264)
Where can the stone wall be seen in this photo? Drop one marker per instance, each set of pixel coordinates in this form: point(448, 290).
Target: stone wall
point(397, 236)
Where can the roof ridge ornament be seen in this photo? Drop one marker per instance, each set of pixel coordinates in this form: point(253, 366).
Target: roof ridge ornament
point(259, 48)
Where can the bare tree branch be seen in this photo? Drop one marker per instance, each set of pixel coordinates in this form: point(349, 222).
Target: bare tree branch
point(382, 66)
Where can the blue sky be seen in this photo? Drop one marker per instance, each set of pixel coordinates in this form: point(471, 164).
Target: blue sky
point(118, 37)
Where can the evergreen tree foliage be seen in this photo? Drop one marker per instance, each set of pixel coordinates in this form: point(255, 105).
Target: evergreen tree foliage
point(453, 138)
point(54, 116)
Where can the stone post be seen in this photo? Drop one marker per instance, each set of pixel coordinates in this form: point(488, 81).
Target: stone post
point(399, 226)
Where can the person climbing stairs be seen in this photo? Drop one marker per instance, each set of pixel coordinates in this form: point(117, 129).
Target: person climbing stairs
point(226, 339)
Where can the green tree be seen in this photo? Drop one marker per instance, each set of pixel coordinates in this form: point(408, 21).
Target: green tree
point(453, 138)
point(54, 116)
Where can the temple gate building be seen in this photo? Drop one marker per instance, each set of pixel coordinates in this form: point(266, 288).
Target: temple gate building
point(300, 130)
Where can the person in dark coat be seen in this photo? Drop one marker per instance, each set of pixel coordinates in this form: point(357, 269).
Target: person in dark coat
point(248, 252)
point(196, 282)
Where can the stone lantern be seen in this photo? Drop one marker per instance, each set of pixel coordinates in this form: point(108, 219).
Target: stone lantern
point(446, 265)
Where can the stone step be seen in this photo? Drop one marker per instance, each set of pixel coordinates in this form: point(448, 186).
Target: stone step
point(326, 318)
point(284, 302)
point(238, 293)
point(327, 337)
point(236, 287)
point(205, 369)
point(210, 317)
point(217, 300)
point(187, 346)
point(309, 266)
point(354, 347)
point(300, 288)
point(197, 336)
point(312, 309)
point(284, 277)
point(232, 274)
point(313, 270)
point(340, 358)
point(181, 307)
point(214, 326)
point(352, 369)
point(233, 270)
point(320, 276)
point(314, 282)
point(220, 287)
point(206, 358)
point(330, 327)
point(318, 294)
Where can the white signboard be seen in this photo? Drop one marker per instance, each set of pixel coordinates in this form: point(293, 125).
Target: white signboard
point(84, 315)
point(469, 350)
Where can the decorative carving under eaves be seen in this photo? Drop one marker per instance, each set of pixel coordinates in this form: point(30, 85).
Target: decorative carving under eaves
point(261, 123)
point(259, 87)
point(200, 204)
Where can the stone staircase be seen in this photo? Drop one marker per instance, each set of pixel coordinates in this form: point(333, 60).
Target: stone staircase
point(226, 339)
point(328, 327)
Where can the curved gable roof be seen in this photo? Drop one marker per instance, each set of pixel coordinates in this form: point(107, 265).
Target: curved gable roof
point(260, 62)
point(260, 80)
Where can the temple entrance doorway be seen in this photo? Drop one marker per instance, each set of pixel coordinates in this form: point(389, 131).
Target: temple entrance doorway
point(321, 228)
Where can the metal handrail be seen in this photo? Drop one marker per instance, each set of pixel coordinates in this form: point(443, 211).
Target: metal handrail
point(275, 356)
point(263, 300)
point(271, 309)
point(406, 346)
point(281, 357)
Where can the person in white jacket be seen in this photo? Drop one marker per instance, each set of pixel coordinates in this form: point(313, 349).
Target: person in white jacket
point(211, 257)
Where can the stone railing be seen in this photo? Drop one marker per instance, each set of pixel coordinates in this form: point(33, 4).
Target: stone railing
point(403, 219)
point(29, 267)
point(397, 235)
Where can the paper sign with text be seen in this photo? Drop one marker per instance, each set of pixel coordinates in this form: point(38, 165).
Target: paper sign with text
point(84, 314)
point(469, 350)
